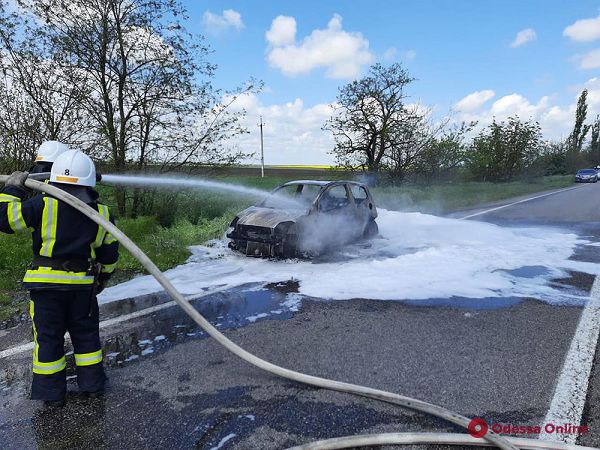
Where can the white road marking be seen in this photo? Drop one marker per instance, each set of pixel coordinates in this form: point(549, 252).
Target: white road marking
point(572, 385)
point(571, 389)
point(480, 213)
point(16, 350)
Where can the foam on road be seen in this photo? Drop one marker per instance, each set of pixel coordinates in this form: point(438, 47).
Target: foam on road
point(418, 256)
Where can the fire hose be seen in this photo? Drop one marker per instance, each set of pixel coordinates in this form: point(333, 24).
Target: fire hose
point(388, 397)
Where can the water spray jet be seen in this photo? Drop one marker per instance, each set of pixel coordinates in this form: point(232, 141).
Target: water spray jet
point(189, 183)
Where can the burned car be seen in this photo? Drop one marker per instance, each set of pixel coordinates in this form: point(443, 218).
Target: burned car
point(305, 218)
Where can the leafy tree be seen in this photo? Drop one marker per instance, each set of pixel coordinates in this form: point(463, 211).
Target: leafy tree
point(36, 101)
point(20, 125)
point(504, 150)
point(142, 81)
point(554, 158)
point(372, 124)
point(580, 130)
point(595, 142)
point(445, 153)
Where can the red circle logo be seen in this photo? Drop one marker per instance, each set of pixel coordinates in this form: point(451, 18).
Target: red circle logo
point(478, 427)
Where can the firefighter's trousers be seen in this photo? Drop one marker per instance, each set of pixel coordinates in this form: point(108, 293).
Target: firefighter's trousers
point(54, 312)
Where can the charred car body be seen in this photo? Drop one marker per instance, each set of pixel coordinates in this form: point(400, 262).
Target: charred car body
point(305, 218)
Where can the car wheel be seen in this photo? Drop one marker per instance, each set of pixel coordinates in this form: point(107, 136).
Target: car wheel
point(371, 230)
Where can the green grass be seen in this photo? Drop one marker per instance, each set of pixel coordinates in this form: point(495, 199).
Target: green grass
point(15, 255)
point(167, 247)
point(182, 219)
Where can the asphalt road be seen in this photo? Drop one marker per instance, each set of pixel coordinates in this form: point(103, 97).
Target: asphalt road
point(172, 387)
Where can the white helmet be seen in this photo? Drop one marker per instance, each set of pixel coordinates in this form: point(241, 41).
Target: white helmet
point(74, 167)
point(50, 150)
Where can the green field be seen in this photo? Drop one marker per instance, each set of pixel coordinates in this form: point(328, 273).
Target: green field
point(181, 219)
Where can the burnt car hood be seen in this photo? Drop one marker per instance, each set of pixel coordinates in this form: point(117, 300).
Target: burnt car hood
point(268, 217)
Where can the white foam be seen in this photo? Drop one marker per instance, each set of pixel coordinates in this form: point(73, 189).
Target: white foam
point(224, 441)
point(256, 317)
point(418, 256)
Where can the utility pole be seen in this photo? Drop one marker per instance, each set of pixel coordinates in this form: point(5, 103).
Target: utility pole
point(262, 149)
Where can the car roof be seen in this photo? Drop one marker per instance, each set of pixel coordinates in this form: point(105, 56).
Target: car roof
point(320, 182)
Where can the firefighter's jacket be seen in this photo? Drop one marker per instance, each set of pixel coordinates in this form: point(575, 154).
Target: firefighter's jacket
point(59, 232)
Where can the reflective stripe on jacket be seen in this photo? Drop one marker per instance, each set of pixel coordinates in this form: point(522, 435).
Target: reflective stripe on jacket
point(58, 231)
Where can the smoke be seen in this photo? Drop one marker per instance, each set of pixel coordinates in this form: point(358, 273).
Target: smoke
point(329, 232)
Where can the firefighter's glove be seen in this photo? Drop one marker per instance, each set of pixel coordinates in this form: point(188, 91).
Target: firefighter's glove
point(17, 179)
point(100, 287)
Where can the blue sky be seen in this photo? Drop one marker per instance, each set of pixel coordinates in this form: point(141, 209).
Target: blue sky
point(453, 48)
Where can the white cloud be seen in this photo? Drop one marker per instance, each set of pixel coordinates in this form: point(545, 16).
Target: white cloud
point(282, 31)
point(390, 54)
point(341, 53)
point(292, 134)
point(590, 60)
point(409, 55)
point(593, 98)
point(217, 24)
point(523, 37)
point(555, 119)
point(474, 101)
point(515, 104)
point(584, 30)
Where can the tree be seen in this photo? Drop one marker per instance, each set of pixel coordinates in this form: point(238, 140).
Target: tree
point(372, 125)
point(504, 150)
point(595, 142)
point(580, 130)
point(37, 103)
point(444, 153)
point(20, 125)
point(141, 78)
point(554, 158)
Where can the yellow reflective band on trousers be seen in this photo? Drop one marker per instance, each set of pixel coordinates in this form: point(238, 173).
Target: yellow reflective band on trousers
point(49, 226)
point(47, 275)
point(88, 359)
point(103, 210)
point(43, 368)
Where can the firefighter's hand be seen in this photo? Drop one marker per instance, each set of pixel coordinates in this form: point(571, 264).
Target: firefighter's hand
point(17, 179)
point(100, 287)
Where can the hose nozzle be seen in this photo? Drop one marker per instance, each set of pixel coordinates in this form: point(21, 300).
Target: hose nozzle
point(43, 176)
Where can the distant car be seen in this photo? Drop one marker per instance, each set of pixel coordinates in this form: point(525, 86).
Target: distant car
point(586, 176)
point(305, 218)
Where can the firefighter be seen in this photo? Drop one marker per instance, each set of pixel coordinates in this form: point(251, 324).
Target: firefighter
point(72, 260)
point(46, 155)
